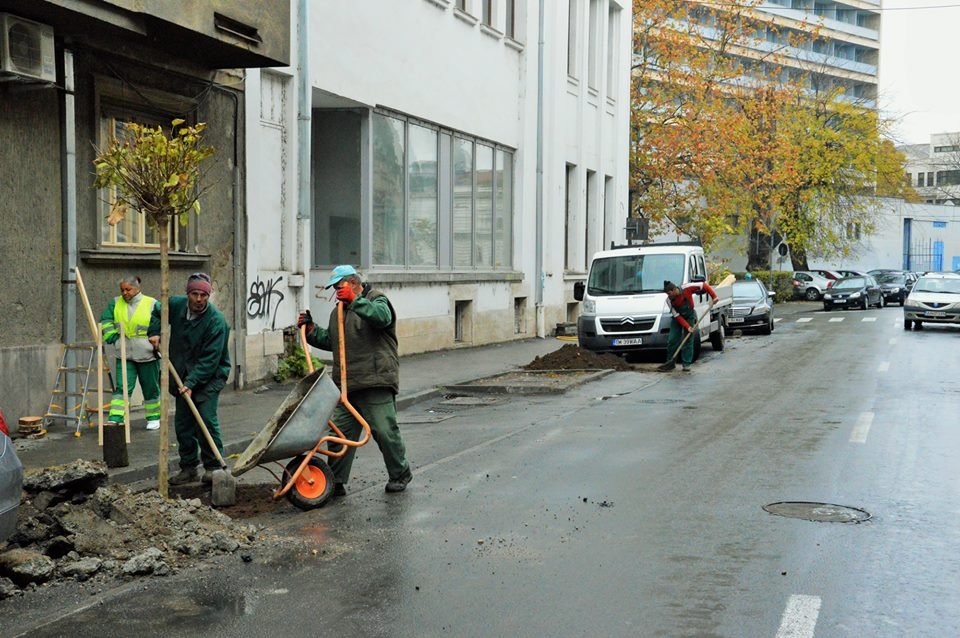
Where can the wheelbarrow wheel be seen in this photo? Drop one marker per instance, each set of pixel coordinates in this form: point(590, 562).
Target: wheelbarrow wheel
point(314, 485)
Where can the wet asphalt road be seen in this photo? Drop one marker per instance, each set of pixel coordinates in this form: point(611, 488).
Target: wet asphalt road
point(631, 506)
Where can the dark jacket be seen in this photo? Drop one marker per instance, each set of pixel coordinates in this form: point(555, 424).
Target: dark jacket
point(198, 348)
point(370, 343)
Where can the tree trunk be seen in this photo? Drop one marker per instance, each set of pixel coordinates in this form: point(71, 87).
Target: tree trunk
point(163, 462)
point(798, 257)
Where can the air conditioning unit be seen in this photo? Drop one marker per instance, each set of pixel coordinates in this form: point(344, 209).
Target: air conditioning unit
point(26, 50)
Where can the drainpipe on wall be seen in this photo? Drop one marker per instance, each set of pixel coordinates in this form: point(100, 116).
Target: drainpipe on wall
point(541, 331)
point(304, 104)
point(68, 196)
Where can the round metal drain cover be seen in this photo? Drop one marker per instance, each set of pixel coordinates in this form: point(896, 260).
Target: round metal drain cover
point(818, 512)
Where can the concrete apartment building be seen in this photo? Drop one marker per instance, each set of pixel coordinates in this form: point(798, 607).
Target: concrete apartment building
point(466, 165)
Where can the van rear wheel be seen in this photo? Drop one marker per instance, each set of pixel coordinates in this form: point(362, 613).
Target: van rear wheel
point(716, 338)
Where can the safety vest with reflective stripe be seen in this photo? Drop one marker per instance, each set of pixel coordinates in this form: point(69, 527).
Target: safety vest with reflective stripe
point(137, 325)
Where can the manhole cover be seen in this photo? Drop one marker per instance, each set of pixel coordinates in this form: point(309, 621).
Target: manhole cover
point(818, 512)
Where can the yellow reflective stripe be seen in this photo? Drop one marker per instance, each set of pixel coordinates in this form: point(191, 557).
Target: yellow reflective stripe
point(139, 323)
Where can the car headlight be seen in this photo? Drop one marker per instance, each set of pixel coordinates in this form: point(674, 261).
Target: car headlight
point(589, 306)
point(894, 290)
point(911, 307)
point(828, 296)
point(855, 295)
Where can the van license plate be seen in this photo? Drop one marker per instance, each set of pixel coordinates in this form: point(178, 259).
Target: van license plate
point(628, 342)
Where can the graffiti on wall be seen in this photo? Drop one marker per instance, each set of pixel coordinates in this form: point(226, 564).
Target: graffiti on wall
point(263, 299)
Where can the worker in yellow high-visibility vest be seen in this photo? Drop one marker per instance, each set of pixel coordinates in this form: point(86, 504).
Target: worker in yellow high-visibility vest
point(135, 310)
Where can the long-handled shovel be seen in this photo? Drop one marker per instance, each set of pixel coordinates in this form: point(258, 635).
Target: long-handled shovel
point(671, 363)
point(223, 489)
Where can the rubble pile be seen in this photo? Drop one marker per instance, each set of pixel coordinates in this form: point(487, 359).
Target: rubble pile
point(72, 525)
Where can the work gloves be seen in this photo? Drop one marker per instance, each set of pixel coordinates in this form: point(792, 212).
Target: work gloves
point(346, 294)
point(305, 319)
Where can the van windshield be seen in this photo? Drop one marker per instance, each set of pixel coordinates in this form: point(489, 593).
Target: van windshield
point(634, 274)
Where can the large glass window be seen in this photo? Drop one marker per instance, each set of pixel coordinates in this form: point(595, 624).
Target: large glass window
point(503, 211)
point(422, 203)
point(462, 203)
point(388, 190)
point(484, 207)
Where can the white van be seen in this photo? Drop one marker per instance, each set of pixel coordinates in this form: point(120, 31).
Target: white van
point(624, 307)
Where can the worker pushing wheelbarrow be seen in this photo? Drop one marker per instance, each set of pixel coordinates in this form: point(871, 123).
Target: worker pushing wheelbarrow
point(366, 322)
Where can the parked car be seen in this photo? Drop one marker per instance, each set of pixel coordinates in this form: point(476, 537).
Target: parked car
point(11, 486)
point(935, 298)
point(853, 292)
point(752, 307)
point(852, 273)
point(809, 285)
point(895, 286)
point(832, 275)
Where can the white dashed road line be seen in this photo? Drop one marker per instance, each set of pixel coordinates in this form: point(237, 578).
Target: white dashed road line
point(836, 319)
point(892, 341)
point(884, 366)
point(862, 428)
point(778, 319)
point(804, 319)
point(800, 617)
point(869, 319)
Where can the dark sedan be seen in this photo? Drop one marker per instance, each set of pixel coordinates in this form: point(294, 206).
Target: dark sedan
point(895, 286)
point(752, 307)
point(853, 292)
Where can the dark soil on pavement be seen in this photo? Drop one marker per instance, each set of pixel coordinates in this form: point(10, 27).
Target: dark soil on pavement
point(572, 357)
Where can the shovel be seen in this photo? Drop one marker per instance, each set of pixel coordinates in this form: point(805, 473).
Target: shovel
point(672, 361)
point(223, 489)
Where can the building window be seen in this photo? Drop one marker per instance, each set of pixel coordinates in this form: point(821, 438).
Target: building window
point(946, 149)
point(572, 38)
point(483, 242)
point(613, 59)
point(948, 178)
point(388, 190)
point(462, 5)
point(503, 210)
point(487, 12)
point(133, 231)
point(593, 46)
point(462, 203)
point(571, 227)
point(919, 179)
point(510, 19)
point(930, 179)
point(422, 203)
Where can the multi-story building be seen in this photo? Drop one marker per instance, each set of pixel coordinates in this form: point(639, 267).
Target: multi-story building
point(468, 156)
point(933, 169)
point(71, 73)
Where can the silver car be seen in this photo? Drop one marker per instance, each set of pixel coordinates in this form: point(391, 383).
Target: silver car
point(809, 285)
point(934, 298)
point(11, 485)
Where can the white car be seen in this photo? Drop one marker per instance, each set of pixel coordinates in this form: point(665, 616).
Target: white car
point(809, 285)
point(934, 298)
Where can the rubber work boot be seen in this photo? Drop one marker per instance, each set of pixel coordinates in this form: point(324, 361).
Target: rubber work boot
point(339, 490)
point(207, 478)
point(153, 425)
point(186, 475)
point(400, 483)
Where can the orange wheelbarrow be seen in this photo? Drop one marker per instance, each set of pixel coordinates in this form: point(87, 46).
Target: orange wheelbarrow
point(299, 424)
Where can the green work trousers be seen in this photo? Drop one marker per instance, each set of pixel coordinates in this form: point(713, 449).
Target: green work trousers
point(379, 407)
point(677, 333)
point(192, 444)
point(149, 374)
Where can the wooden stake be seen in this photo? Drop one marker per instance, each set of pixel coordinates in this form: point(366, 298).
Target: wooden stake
point(123, 380)
point(98, 340)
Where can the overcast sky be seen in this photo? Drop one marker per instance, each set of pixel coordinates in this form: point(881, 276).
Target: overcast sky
point(919, 55)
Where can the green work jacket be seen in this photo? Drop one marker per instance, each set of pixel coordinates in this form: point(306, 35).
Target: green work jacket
point(198, 349)
point(370, 343)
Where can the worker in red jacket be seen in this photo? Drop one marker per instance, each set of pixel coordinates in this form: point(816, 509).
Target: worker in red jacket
point(684, 311)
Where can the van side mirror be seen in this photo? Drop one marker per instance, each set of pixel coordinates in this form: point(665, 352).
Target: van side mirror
point(578, 288)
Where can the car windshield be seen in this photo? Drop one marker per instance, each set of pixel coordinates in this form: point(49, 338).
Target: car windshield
point(938, 284)
point(634, 274)
point(747, 291)
point(891, 278)
point(849, 283)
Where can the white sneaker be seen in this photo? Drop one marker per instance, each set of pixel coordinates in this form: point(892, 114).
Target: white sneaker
point(153, 425)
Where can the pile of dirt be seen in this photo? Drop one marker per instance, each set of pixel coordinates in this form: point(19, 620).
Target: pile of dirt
point(572, 357)
point(72, 526)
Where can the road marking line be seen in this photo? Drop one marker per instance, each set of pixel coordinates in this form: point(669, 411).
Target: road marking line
point(869, 319)
point(892, 341)
point(804, 319)
point(884, 366)
point(800, 617)
point(836, 320)
point(862, 428)
point(778, 319)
